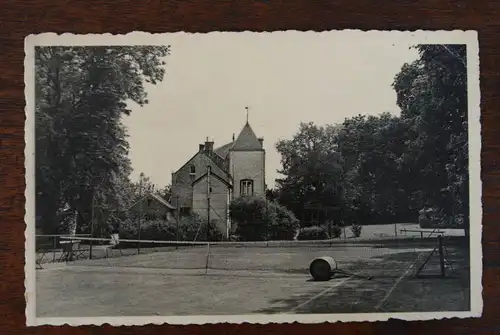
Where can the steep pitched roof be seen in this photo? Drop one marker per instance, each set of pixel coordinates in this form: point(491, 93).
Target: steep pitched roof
point(224, 150)
point(155, 197)
point(247, 140)
point(162, 201)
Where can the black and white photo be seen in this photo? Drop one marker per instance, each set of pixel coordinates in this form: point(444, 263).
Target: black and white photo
point(252, 177)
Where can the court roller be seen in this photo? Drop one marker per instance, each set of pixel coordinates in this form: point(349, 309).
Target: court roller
point(324, 268)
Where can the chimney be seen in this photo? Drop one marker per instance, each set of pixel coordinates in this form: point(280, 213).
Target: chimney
point(261, 141)
point(202, 147)
point(209, 146)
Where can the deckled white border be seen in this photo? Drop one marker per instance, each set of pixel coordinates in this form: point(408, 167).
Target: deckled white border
point(140, 38)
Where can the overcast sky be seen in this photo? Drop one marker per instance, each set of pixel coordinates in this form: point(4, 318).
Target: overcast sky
point(285, 78)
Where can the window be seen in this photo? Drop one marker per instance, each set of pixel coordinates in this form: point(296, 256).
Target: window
point(246, 187)
point(193, 169)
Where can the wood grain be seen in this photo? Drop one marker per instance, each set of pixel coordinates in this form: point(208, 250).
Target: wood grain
point(20, 18)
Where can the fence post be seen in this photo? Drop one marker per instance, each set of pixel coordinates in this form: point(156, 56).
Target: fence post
point(177, 218)
point(92, 224)
point(54, 247)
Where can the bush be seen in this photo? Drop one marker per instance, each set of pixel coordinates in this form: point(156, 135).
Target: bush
point(158, 230)
point(356, 230)
point(312, 233)
point(128, 229)
point(283, 224)
point(189, 228)
point(248, 213)
point(214, 233)
point(234, 238)
point(336, 231)
point(150, 230)
point(258, 220)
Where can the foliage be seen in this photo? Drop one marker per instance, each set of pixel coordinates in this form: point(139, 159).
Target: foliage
point(258, 219)
point(335, 232)
point(141, 188)
point(371, 147)
point(190, 228)
point(81, 96)
point(313, 233)
point(432, 95)
point(158, 230)
point(385, 168)
point(166, 192)
point(249, 214)
point(356, 230)
point(312, 168)
point(283, 224)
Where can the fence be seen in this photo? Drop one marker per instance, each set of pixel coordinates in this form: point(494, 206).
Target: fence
point(54, 248)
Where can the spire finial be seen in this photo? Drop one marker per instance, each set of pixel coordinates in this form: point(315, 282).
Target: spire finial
point(247, 112)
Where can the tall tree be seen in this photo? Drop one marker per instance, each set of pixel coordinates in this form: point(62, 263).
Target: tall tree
point(142, 187)
point(312, 168)
point(432, 95)
point(81, 149)
point(370, 147)
point(166, 192)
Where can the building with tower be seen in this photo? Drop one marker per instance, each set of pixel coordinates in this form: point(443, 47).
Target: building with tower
point(213, 176)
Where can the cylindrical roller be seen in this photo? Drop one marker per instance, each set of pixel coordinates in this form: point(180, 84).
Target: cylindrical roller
point(322, 268)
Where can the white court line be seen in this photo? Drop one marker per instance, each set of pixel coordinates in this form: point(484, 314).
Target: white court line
point(325, 291)
point(382, 302)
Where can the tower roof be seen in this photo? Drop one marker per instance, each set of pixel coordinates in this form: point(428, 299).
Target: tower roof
point(247, 140)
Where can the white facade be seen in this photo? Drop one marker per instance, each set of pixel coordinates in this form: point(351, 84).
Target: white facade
point(237, 168)
point(218, 200)
point(248, 171)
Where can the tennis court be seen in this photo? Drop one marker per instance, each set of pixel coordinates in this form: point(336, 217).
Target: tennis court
point(250, 278)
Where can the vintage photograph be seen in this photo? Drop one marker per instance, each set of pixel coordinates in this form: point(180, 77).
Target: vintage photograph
point(252, 177)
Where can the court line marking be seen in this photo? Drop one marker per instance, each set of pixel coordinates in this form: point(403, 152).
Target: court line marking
point(388, 294)
point(325, 291)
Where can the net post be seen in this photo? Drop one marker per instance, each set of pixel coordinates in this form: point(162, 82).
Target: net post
point(441, 256)
point(207, 258)
point(417, 274)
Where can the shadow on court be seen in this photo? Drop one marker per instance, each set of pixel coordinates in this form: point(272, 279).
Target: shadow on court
point(394, 288)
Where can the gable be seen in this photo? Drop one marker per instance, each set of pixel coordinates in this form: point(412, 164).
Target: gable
point(200, 161)
point(213, 175)
point(154, 197)
point(247, 140)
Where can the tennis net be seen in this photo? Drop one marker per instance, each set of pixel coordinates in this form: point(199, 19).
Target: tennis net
point(277, 257)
